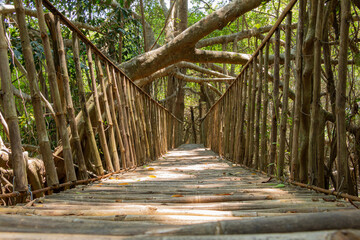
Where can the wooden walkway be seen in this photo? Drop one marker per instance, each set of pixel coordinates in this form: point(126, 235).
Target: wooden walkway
point(187, 194)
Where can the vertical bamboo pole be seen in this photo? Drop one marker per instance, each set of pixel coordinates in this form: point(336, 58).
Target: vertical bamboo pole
point(240, 157)
point(148, 125)
point(315, 105)
point(112, 142)
point(284, 110)
point(229, 109)
point(238, 116)
point(294, 168)
point(122, 122)
point(344, 182)
point(45, 149)
point(221, 132)
point(101, 129)
point(248, 116)
point(264, 137)
point(139, 107)
point(124, 116)
point(134, 132)
point(69, 106)
point(17, 159)
point(275, 109)
point(234, 110)
point(88, 126)
point(50, 21)
point(258, 112)
point(193, 123)
point(111, 92)
point(252, 117)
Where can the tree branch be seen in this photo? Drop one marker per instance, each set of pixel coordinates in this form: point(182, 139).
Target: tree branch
point(182, 46)
point(206, 56)
point(200, 80)
point(236, 36)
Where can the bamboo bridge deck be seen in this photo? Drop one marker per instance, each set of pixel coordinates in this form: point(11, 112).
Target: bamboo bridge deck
point(189, 193)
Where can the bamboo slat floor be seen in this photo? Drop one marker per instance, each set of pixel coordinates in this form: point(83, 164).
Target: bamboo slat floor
point(190, 193)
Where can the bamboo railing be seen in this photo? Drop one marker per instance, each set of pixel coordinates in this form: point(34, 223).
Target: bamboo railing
point(133, 128)
point(238, 125)
point(232, 128)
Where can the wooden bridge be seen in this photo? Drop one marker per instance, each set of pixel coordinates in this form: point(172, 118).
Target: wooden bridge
point(218, 190)
point(189, 192)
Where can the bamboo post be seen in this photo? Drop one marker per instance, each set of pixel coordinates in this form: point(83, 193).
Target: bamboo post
point(315, 104)
point(50, 21)
point(88, 126)
point(141, 111)
point(131, 119)
point(112, 142)
point(275, 108)
point(16, 157)
point(238, 116)
point(122, 123)
point(294, 166)
point(140, 121)
point(124, 115)
point(101, 129)
point(263, 158)
point(155, 130)
point(252, 117)
point(284, 110)
point(111, 92)
point(344, 182)
point(135, 121)
point(248, 116)
point(221, 131)
point(234, 110)
point(69, 104)
point(227, 115)
point(146, 108)
point(240, 156)
point(45, 149)
point(258, 112)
